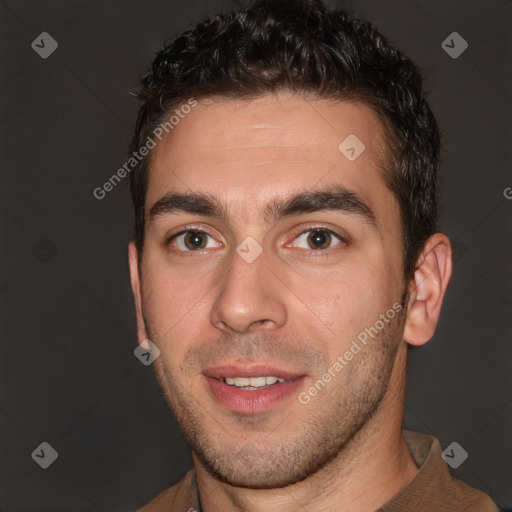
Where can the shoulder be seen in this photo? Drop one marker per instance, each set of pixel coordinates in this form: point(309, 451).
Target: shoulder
point(473, 500)
point(434, 486)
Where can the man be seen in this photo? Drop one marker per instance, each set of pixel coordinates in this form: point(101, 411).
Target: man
point(285, 257)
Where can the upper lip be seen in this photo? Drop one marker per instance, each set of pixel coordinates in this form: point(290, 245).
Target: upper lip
point(250, 370)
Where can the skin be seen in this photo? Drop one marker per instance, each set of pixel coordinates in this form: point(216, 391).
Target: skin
point(295, 306)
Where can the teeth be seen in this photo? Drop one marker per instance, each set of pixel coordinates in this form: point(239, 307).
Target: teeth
point(254, 382)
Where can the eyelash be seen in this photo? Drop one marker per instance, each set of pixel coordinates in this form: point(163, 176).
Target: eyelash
point(197, 229)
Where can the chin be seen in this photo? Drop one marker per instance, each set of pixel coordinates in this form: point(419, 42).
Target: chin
point(252, 467)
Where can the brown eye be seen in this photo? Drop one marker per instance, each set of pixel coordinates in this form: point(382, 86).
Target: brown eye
point(191, 240)
point(319, 238)
point(195, 240)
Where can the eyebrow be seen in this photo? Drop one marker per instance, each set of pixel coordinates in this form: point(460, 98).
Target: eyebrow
point(334, 198)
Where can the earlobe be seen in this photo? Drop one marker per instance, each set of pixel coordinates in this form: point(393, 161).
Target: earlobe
point(133, 263)
point(427, 290)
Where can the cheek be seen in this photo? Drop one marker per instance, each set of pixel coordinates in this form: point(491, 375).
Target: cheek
point(338, 304)
point(354, 298)
point(377, 271)
point(173, 305)
point(354, 305)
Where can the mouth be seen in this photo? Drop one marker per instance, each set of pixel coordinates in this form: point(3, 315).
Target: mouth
point(252, 383)
point(251, 390)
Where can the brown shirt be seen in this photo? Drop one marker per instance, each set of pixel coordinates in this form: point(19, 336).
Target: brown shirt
point(433, 489)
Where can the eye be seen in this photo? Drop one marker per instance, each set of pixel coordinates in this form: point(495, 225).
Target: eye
point(191, 240)
point(196, 240)
point(319, 238)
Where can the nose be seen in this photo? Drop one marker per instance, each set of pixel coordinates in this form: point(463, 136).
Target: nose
point(249, 295)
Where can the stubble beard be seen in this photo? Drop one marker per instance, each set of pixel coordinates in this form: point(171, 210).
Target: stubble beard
point(241, 457)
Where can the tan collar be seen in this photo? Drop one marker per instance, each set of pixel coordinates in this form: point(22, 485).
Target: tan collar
point(433, 488)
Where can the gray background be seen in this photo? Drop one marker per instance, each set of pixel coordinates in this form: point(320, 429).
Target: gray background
point(68, 373)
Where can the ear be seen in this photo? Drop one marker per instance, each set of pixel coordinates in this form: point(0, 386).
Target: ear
point(427, 290)
point(133, 262)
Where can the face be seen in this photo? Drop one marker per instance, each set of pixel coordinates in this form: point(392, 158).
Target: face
point(246, 282)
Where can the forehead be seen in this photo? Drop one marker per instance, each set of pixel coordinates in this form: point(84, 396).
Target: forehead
point(247, 151)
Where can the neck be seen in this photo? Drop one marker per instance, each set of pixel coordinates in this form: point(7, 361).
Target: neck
point(374, 466)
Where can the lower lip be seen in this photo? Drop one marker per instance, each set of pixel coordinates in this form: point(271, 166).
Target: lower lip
point(252, 402)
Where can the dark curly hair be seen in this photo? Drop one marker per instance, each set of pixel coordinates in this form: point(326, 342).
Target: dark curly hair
point(301, 46)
